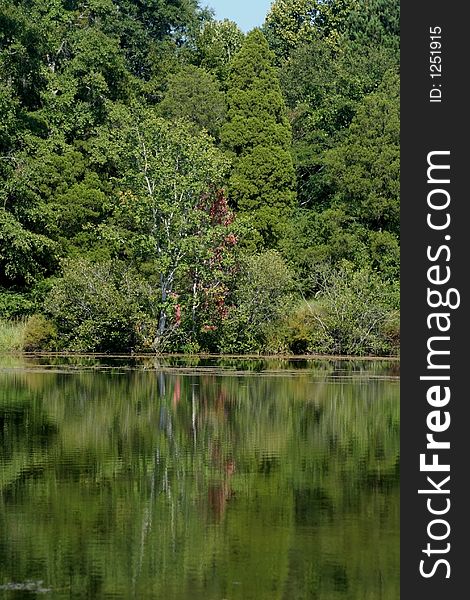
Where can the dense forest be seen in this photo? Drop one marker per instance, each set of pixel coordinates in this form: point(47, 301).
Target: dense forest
point(171, 184)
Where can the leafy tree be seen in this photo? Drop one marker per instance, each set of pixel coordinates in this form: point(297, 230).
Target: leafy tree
point(21, 52)
point(216, 44)
point(79, 93)
point(63, 67)
point(205, 292)
point(314, 239)
point(357, 310)
point(24, 256)
point(375, 23)
point(364, 169)
point(58, 193)
point(9, 108)
point(292, 23)
point(258, 135)
point(193, 93)
point(89, 171)
point(323, 88)
point(166, 171)
point(359, 220)
point(143, 26)
point(69, 60)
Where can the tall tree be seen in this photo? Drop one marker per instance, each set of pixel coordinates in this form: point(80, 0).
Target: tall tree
point(216, 44)
point(365, 168)
point(167, 174)
point(64, 65)
point(292, 23)
point(195, 94)
point(258, 135)
point(323, 88)
point(375, 22)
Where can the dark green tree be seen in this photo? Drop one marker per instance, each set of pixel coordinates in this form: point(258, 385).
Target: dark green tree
point(258, 135)
point(195, 94)
point(22, 47)
point(64, 65)
point(365, 169)
point(374, 23)
point(358, 220)
point(323, 88)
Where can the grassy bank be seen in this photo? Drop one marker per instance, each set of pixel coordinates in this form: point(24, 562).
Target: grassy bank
point(12, 335)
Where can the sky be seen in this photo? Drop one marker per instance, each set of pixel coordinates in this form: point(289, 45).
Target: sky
point(246, 13)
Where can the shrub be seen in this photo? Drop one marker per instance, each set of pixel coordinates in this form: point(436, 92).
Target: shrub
point(39, 334)
point(262, 299)
point(358, 310)
point(101, 307)
point(354, 313)
point(303, 331)
point(14, 304)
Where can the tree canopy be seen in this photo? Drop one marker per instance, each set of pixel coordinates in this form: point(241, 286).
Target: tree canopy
point(168, 182)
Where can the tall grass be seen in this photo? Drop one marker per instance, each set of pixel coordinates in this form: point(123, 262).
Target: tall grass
point(12, 335)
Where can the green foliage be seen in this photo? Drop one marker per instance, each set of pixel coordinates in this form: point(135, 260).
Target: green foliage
point(375, 23)
point(194, 94)
point(216, 44)
point(323, 89)
point(12, 335)
point(262, 297)
point(364, 169)
point(101, 307)
point(258, 134)
point(353, 313)
point(315, 239)
point(58, 192)
point(63, 68)
point(15, 304)
point(292, 23)
point(24, 256)
point(351, 194)
point(256, 107)
point(21, 52)
point(357, 307)
point(9, 108)
point(168, 170)
point(39, 334)
point(91, 173)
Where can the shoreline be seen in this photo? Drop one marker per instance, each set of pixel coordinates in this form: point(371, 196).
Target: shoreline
point(291, 357)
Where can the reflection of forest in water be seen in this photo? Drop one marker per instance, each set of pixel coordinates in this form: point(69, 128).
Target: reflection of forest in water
point(146, 484)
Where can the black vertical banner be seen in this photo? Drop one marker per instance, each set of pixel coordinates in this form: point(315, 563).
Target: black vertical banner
point(435, 422)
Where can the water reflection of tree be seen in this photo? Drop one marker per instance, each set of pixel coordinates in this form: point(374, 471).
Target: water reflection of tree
point(177, 472)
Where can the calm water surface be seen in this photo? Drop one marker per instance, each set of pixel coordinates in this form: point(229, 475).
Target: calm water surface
point(192, 480)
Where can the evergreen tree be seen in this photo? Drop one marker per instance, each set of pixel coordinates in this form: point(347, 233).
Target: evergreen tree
point(258, 134)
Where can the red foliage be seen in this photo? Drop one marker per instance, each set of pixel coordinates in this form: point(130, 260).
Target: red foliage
point(178, 315)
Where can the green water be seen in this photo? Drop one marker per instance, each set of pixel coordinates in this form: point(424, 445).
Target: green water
point(177, 480)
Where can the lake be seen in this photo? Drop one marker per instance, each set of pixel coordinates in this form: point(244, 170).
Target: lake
point(199, 479)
